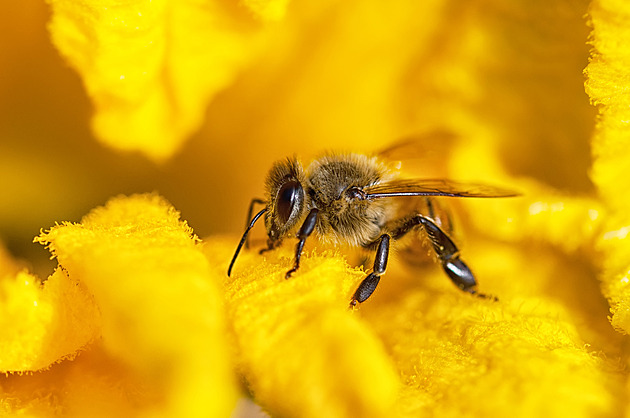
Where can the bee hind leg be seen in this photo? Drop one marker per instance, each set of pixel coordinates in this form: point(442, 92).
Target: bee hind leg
point(368, 285)
point(447, 253)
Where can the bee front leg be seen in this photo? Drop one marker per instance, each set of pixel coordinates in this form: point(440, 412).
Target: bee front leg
point(368, 285)
point(271, 245)
point(305, 231)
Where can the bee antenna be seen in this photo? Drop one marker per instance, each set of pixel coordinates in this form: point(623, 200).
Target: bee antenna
point(240, 244)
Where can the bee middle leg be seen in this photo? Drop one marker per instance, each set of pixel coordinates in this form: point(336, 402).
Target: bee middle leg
point(368, 285)
point(446, 251)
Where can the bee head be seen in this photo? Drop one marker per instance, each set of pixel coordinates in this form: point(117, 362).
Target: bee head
point(285, 198)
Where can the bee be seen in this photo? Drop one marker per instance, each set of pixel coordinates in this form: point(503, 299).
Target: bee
point(360, 201)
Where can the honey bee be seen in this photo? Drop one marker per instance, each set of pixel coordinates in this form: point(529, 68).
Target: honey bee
point(360, 201)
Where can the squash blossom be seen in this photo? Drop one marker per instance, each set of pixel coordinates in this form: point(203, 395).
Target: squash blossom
point(139, 318)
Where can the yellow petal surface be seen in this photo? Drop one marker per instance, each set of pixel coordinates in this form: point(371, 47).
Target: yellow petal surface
point(303, 354)
point(267, 9)
point(163, 349)
point(44, 323)
point(464, 357)
point(94, 384)
point(302, 351)
point(150, 67)
point(608, 83)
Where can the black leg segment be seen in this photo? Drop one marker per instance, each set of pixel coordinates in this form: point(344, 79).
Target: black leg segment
point(446, 251)
point(368, 285)
point(305, 231)
point(460, 274)
point(448, 254)
point(365, 289)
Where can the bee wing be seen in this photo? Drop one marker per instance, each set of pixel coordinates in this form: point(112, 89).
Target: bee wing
point(426, 146)
point(433, 187)
point(421, 155)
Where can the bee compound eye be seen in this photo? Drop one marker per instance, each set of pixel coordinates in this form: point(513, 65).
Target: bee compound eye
point(288, 196)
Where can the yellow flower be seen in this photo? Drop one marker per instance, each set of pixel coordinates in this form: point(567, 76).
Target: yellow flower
point(133, 278)
point(607, 85)
point(139, 318)
point(150, 67)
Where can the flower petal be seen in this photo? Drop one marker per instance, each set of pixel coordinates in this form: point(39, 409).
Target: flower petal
point(461, 356)
point(151, 67)
point(608, 84)
point(301, 350)
point(44, 324)
point(161, 311)
point(267, 9)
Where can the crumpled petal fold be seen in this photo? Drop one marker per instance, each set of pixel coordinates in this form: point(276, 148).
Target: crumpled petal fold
point(133, 275)
point(151, 67)
point(608, 84)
